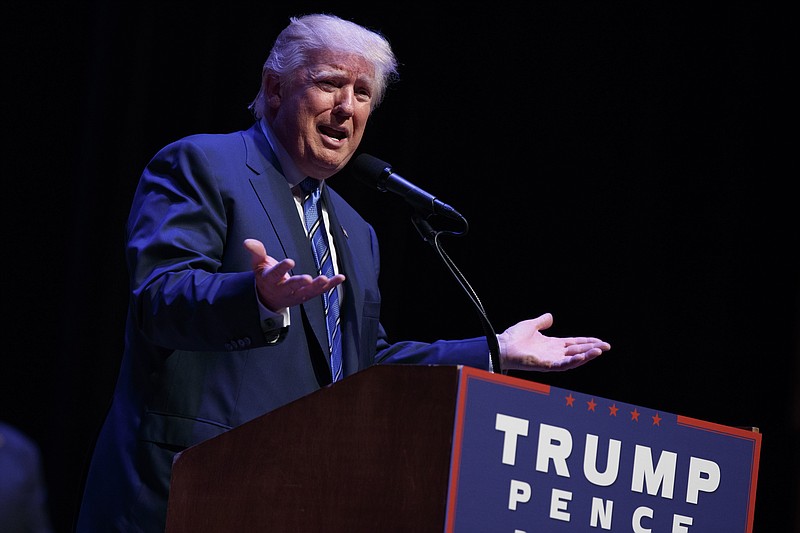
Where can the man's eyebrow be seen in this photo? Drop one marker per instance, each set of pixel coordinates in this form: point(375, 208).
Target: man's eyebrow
point(327, 70)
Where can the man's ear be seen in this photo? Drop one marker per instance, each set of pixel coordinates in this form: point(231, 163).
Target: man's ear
point(272, 84)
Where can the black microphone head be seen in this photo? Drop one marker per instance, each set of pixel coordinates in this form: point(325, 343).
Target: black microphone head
point(371, 171)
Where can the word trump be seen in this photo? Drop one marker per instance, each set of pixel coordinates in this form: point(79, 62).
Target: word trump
point(647, 476)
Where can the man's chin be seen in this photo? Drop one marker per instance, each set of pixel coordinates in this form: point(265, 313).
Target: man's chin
point(330, 164)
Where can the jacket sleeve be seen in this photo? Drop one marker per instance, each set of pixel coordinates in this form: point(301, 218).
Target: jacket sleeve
point(175, 239)
point(468, 352)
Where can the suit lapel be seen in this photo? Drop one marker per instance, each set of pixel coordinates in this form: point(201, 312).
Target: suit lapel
point(280, 211)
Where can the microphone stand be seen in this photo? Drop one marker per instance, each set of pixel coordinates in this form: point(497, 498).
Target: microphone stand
point(432, 236)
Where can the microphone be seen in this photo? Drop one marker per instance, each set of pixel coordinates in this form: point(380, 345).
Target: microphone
point(378, 174)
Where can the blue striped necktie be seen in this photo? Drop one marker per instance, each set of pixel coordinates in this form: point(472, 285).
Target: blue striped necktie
point(322, 254)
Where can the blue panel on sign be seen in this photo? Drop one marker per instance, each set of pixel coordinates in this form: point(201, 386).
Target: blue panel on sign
point(528, 458)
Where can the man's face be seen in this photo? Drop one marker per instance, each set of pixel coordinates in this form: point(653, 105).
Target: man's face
point(321, 116)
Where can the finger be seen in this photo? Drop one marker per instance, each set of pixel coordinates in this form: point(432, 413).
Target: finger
point(258, 254)
point(543, 321)
point(582, 342)
point(314, 287)
point(279, 272)
point(338, 279)
point(294, 283)
point(578, 348)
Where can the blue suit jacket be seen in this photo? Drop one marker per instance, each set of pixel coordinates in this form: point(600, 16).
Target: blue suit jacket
point(198, 359)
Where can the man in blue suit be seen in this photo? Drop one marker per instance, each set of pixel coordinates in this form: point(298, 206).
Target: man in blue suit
point(226, 318)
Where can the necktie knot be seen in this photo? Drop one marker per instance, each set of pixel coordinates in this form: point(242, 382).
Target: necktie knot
point(308, 186)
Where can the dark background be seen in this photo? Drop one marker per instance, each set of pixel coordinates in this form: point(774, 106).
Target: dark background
point(618, 164)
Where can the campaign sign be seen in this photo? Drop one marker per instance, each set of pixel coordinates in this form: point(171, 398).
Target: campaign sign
point(532, 458)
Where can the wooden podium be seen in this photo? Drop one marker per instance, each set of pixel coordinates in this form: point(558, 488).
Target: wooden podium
point(410, 448)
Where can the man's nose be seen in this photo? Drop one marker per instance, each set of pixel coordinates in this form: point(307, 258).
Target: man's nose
point(344, 101)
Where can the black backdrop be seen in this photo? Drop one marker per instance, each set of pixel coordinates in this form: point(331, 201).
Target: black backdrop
point(616, 162)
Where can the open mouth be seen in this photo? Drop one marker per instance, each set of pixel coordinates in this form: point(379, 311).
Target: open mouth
point(339, 135)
